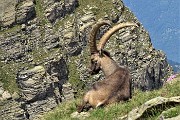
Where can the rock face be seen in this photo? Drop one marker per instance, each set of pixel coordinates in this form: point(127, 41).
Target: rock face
point(7, 12)
point(55, 9)
point(42, 90)
point(25, 12)
point(13, 11)
point(11, 110)
point(45, 52)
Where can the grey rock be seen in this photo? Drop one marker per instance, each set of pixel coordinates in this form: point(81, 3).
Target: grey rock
point(25, 12)
point(37, 108)
point(41, 89)
point(32, 83)
point(82, 115)
point(6, 95)
point(138, 112)
point(13, 11)
point(1, 91)
point(68, 92)
point(7, 12)
point(87, 18)
point(15, 96)
point(11, 110)
point(23, 27)
point(58, 9)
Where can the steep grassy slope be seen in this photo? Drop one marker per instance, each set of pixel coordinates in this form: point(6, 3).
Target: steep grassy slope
point(64, 110)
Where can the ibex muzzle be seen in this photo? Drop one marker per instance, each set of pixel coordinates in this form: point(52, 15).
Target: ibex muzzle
point(117, 83)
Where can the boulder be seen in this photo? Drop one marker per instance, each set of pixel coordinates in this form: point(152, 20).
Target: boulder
point(7, 12)
point(58, 9)
point(25, 12)
point(138, 112)
point(16, 12)
point(6, 95)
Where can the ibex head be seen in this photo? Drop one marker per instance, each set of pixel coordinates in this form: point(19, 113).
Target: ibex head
point(96, 60)
point(95, 54)
point(98, 55)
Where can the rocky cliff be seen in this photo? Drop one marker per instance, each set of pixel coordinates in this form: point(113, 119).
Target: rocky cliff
point(44, 52)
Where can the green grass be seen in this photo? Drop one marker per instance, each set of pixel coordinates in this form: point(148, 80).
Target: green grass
point(100, 8)
point(40, 15)
point(74, 76)
point(173, 112)
point(40, 12)
point(64, 110)
point(10, 30)
point(7, 76)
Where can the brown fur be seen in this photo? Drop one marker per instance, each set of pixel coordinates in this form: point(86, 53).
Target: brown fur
point(117, 83)
point(114, 88)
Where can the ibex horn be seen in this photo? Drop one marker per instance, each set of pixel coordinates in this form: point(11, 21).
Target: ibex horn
point(110, 32)
point(92, 36)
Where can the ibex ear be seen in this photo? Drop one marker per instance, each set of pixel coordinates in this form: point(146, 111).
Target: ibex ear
point(101, 53)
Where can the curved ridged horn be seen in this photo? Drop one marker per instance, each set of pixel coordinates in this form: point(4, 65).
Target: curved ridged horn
point(110, 32)
point(92, 36)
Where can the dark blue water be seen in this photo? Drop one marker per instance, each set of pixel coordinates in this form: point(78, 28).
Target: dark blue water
point(161, 18)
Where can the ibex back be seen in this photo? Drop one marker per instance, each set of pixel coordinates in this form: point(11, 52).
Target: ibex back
point(117, 83)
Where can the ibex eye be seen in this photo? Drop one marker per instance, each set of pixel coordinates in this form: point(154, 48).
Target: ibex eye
point(93, 61)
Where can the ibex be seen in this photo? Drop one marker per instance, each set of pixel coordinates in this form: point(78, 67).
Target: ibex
point(117, 83)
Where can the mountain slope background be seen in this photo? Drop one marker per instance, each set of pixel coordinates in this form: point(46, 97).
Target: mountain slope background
point(44, 52)
point(175, 65)
point(162, 19)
